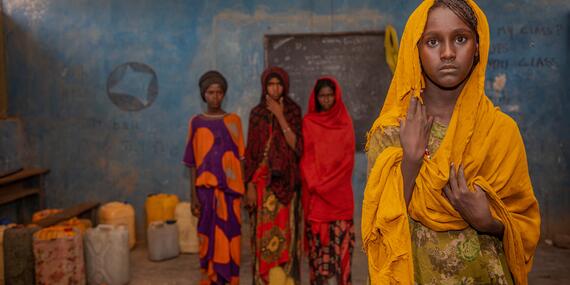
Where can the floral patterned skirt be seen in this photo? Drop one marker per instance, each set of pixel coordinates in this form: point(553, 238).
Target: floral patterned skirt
point(457, 257)
point(275, 236)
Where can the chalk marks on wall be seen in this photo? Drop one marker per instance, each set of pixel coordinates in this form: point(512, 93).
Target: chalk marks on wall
point(132, 86)
point(524, 41)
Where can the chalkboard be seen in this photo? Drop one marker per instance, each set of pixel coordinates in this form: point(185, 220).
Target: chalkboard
point(356, 60)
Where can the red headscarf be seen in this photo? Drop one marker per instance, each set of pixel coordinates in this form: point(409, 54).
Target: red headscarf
point(283, 161)
point(328, 161)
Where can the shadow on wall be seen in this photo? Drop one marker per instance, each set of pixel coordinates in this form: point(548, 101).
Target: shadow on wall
point(46, 118)
point(95, 150)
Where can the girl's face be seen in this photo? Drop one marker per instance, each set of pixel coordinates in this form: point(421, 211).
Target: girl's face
point(326, 98)
point(274, 88)
point(214, 95)
point(447, 49)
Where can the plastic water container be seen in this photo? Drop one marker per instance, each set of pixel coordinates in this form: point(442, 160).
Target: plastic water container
point(81, 224)
point(40, 215)
point(117, 213)
point(107, 255)
point(19, 255)
point(278, 276)
point(162, 240)
point(3, 228)
point(58, 253)
point(187, 228)
point(160, 207)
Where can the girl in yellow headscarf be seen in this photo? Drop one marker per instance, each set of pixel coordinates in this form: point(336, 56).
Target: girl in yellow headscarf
point(449, 198)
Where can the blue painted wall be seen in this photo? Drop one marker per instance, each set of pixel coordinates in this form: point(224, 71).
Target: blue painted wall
point(61, 53)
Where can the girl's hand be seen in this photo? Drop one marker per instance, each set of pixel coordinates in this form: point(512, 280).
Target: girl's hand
point(275, 107)
point(415, 130)
point(472, 205)
point(196, 208)
point(250, 196)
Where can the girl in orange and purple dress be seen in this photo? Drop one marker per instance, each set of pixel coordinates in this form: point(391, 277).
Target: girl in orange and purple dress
point(214, 153)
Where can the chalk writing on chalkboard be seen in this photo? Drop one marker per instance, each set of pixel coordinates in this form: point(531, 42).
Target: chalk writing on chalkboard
point(356, 60)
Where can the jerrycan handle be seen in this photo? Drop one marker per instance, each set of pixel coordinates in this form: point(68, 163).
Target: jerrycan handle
point(157, 224)
point(105, 227)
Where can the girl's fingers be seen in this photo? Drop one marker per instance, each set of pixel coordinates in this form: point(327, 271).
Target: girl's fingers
point(418, 109)
point(461, 178)
point(477, 188)
point(429, 123)
point(453, 178)
point(447, 192)
point(270, 105)
point(412, 108)
point(402, 122)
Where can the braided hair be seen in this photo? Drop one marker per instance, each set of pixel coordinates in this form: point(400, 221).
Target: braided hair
point(462, 9)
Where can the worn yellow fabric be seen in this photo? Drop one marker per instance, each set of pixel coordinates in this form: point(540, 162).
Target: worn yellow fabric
point(480, 137)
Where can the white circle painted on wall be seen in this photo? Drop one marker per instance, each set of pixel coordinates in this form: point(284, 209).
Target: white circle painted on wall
point(132, 86)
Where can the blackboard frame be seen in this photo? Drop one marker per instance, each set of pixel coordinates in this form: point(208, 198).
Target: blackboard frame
point(266, 38)
point(363, 123)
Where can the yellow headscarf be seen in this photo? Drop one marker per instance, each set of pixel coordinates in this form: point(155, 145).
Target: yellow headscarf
point(480, 137)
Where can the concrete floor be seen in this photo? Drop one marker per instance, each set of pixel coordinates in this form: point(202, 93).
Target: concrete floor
point(185, 268)
point(551, 267)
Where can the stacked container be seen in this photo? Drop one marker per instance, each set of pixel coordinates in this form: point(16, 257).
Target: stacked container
point(117, 213)
point(40, 215)
point(162, 240)
point(81, 224)
point(58, 253)
point(3, 228)
point(18, 250)
point(160, 207)
point(187, 228)
point(107, 255)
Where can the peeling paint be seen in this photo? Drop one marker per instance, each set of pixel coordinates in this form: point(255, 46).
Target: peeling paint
point(317, 23)
point(500, 82)
point(34, 10)
point(512, 108)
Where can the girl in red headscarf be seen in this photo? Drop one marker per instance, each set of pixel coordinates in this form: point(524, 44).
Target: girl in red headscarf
point(326, 168)
point(274, 147)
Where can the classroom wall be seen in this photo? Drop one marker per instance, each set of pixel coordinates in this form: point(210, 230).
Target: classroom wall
point(3, 94)
point(61, 55)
